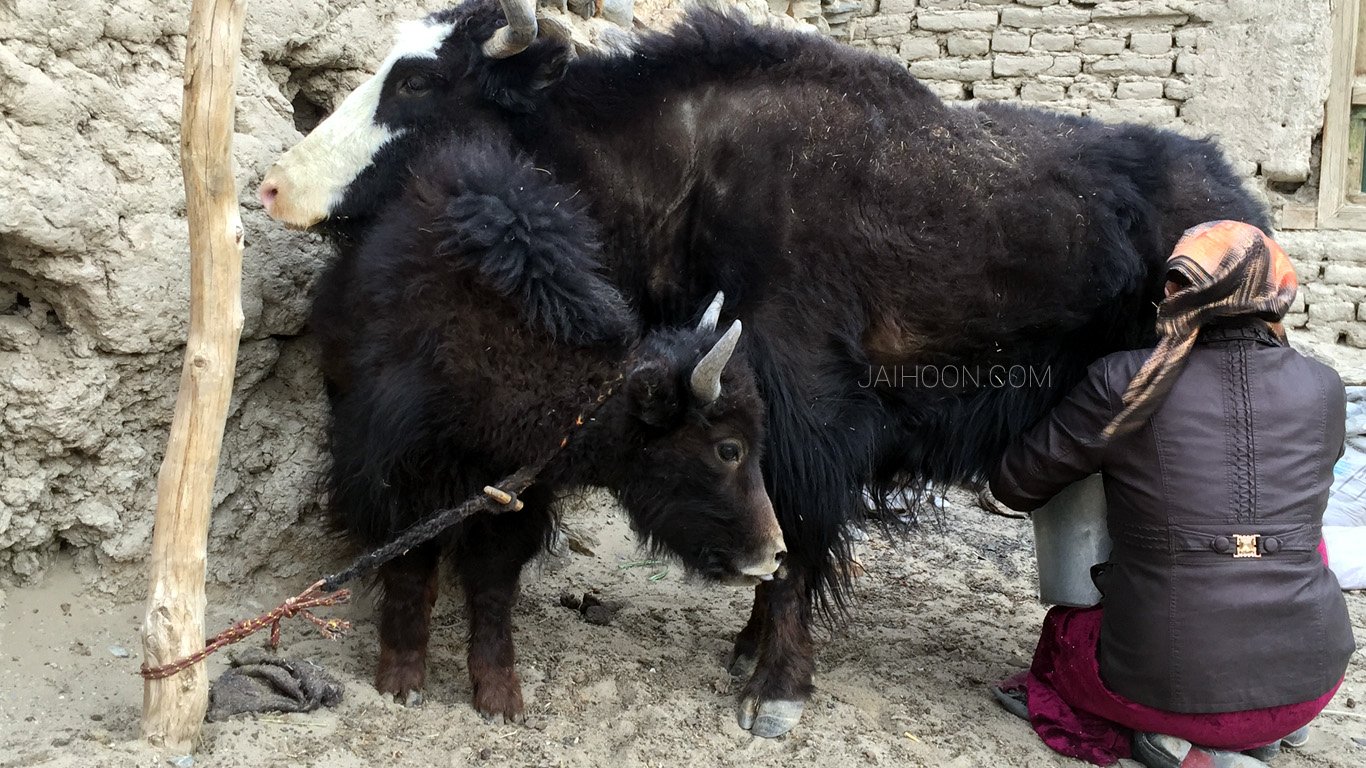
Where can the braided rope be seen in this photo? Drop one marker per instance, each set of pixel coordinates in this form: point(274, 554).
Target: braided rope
point(501, 497)
point(493, 499)
point(294, 606)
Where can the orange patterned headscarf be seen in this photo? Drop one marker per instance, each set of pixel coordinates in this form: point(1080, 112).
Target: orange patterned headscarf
point(1228, 269)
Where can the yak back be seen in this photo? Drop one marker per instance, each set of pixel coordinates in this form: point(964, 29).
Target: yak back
point(460, 337)
point(855, 221)
point(783, 167)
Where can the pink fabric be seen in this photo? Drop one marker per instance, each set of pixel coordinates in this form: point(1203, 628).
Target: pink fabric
point(1075, 714)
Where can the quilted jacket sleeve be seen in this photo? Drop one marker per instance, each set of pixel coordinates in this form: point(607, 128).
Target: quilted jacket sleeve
point(1063, 448)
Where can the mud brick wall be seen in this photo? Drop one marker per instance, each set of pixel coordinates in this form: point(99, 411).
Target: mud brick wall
point(1331, 304)
point(1122, 61)
point(1251, 75)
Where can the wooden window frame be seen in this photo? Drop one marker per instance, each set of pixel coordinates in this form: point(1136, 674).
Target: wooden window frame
point(1342, 205)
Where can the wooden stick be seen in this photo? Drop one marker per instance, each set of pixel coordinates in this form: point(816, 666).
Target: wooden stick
point(1342, 713)
point(503, 497)
point(173, 708)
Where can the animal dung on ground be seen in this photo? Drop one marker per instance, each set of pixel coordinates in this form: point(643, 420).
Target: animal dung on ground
point(592, 609)
point(260, 682)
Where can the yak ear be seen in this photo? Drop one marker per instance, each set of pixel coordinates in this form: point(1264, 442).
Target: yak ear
point(653, 391)
point(519, 82)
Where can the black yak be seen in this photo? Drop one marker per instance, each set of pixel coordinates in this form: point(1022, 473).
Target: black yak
point(462, 336)
point(918, 282)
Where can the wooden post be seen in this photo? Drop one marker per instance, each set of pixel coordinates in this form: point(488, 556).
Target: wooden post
point(173, 708)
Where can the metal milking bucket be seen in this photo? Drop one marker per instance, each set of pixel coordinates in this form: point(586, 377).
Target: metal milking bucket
point(1070, 536)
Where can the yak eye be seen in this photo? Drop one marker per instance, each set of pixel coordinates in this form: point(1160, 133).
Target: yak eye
point(729, 451)
point(415, 85)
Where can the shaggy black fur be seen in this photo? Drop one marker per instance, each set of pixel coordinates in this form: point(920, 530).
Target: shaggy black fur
point(857, 225)
point(462, 335)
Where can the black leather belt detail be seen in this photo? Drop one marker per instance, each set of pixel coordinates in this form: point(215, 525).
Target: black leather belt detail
point(1233, 539)
point(1246, 545)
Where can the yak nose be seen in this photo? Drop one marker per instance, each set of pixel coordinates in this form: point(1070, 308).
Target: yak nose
point(294, 204)
point(269, 191)
point(769, 561)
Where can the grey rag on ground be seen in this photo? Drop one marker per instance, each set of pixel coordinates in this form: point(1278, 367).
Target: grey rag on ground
point(259, 682)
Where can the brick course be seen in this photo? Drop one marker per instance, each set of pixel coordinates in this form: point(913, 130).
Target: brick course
point(915, 48)
point(1009, 41)
point(1044, 18)
point(1139, 89)
point(1150, 42)
point(1011, 65)
point(947, 21)
point(966, 70)
point(1115, 61)
point(968, 44)
point(1053, 41)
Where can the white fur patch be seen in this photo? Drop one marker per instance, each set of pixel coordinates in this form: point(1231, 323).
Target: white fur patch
point(419, 38)
point(312, 176)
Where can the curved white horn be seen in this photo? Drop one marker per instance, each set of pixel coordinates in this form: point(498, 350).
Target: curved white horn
point(713, 313)
point(518, 35)
point(551, 27)
point(706, 375)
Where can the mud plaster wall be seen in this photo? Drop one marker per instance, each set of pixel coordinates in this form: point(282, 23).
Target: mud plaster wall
point(94, 254)
point(94, 276)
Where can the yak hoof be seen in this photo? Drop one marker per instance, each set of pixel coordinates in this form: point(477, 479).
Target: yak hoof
point(741, 665)
point(499, 699)
point(769, 719)
point(511, 718)
point(401, 674)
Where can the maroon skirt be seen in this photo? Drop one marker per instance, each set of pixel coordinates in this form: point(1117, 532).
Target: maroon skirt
point(1075, 714)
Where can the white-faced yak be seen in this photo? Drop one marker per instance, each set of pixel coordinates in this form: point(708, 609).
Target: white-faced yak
point(918, 282)
point(464, 335)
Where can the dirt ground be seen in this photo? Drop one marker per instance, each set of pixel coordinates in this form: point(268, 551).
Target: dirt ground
point(901, 683)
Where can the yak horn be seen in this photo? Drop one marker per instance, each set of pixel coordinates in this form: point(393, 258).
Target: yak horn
point(551, 27)
point(518, 35)
point(706, 376)
point(713, 313)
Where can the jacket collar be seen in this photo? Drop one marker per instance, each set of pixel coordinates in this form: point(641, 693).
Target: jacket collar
point(1256, 331)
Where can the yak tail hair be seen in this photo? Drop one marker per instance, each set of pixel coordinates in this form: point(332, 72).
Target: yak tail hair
point(528, 240)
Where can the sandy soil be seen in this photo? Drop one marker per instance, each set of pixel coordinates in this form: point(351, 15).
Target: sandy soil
point(900, 683)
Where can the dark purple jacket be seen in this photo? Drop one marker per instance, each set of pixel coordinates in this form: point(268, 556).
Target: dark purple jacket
point(1216, 599)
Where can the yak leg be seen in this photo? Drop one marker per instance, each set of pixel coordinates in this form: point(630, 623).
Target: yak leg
point(493, 550)
point(746, 650)
point(410, 585)
point(778, 638)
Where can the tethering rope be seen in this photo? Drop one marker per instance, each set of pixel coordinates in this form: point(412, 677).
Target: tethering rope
point(493, 500)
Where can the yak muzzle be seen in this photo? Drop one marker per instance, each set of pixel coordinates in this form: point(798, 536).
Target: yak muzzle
point(285, 204)
point(768, 564)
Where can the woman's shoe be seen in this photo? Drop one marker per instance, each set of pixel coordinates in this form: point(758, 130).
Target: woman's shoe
point(1157, 750)
point(1013, 695)
point(1297, 739)
point(1294, 741)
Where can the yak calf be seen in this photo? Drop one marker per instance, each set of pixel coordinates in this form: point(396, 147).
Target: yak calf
point(462, 334)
